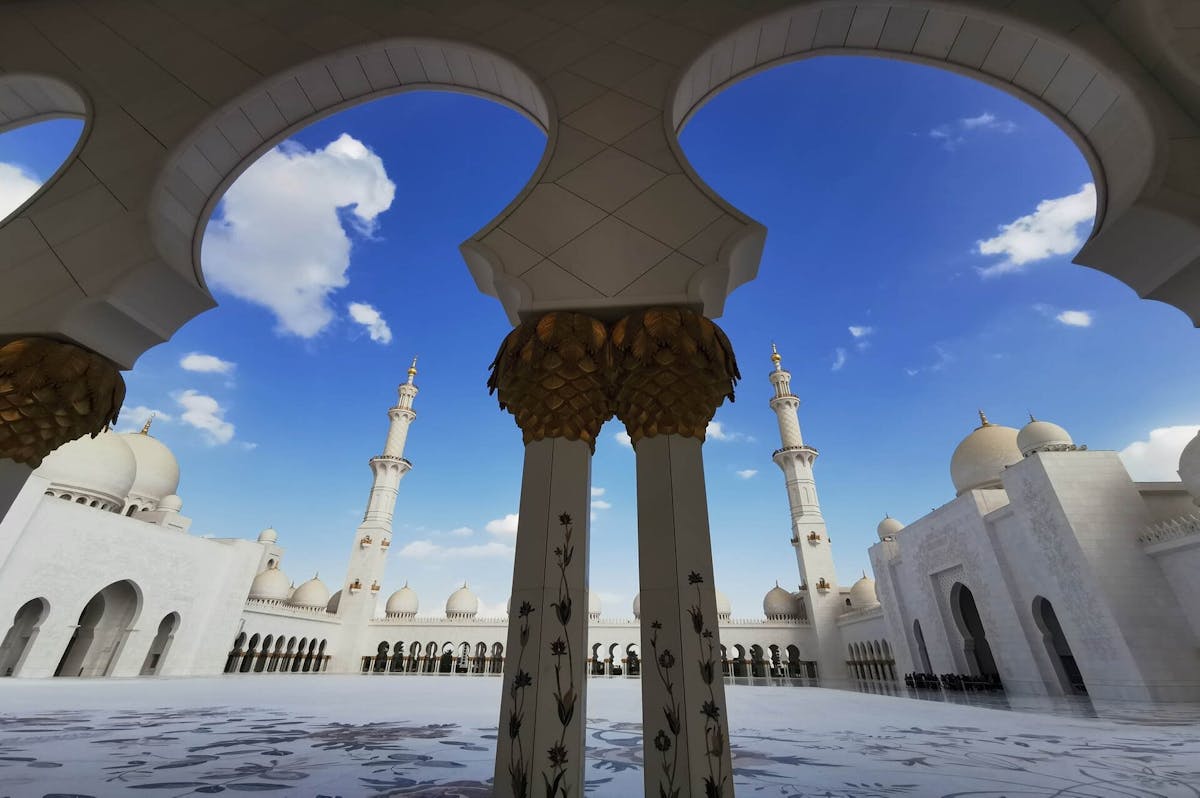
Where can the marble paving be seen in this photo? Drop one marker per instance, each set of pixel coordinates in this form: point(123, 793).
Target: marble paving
point(432, 736)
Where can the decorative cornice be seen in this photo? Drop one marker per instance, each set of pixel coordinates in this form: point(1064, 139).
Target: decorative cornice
point(1169, 531)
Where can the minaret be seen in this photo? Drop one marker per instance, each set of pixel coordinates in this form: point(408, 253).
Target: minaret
point(368, 553)
point(814, 555)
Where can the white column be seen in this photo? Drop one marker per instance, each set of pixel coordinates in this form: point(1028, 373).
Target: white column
point(685, 726)
point(543, 708)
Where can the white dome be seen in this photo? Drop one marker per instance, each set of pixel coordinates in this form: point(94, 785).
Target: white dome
point(171, 502)
point(982, 456)
point(271, 585)
point(268, 535)
point(593, 605)
point(724, 608)
point(1037, 436)
point(335, 601)
point(103, 466)
point(462, 603)
point(157, 473)
point(312, 593)
point(403, 602)
point(778, 603)
point(637, 606)
point(1189, 467)
point(862, 593)
point(888, 527)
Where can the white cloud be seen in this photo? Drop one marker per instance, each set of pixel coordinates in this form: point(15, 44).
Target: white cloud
point(205, 364)
point(1075, 318)
point(369, 317)
point(134, 418)
point(944, 358)
point(503, 527)
point(205, 414)
point(623, 439)
point(859, 331)
point(597, 492)
point(279, 241)
point(987, 121)
point(747, 473)
point(16, 186)
point(1156, 459)
point(716, 431)
point(1052, 229)
point(839, 358)
point(487, 610)
point(428, 550)
point(461, 532)
point(600, 504)
point(952, 134)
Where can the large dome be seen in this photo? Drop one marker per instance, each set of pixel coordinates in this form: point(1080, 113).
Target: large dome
point(778, 604)
point(888, 527)
point(1189, 467)
point(157, 469)
point(271, 585)
point(862, 593)
point(312, 593)
point(102, 467)
point(983, 455)
point(1037, 436)
point(403, 602)
point(462, 603)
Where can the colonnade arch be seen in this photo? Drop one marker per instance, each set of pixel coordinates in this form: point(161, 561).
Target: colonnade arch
point(977, 652)
point(161, 644)
point(19, 638)
point(1058, 648)
point(276, 653)
point(101, 632)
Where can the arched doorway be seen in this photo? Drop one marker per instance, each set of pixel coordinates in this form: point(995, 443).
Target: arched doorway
point(160, 644)
point(21, 635)
point(922, 650)
point(1070, 679)
point(976, 651)
point(101, 632)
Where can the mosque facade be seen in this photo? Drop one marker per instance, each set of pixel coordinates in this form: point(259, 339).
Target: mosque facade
point(1051, 571)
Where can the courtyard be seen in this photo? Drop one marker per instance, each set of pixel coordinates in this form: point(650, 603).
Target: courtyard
point(325, 735)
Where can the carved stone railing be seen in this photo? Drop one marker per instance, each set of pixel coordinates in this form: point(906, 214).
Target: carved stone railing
point(1169, 531)
point(279, 607)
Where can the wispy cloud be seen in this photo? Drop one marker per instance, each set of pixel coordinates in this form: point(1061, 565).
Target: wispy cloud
point(622, 438)
point(747, 473)
point(1156, 459)
point(597, 492)
point(1052, 229)
point(942, 360)
point(601, 504)
point(372, 320)
point(206, 364)
point(953, 134)
point(134, 418)
point(206, 414)
point(428, 550)
point(279, 240)
point(461, 532)
point(839, 358)
point(716, 431)
point(1075, 318)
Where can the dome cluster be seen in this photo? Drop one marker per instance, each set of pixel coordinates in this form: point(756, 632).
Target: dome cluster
point(403, 603)
point(462, 604)
point(116, 472)
point(862, 593)
point(981, 457)
point(781, 605)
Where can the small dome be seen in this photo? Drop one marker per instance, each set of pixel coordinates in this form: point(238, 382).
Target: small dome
point(335, 601)
point(403, 602)
point(862, 593)
point(637, 606)
point(778, 603)
point(312, 593)
point(1189, 467)
point(462, 603)
point(724, 608)
point(1038, 436)
point(593, 605)
point(888, 527)
point(171, 502)
point(981, 456)
point(268, 535)
point(103, 466)
point(270, 585)
point(157, 469)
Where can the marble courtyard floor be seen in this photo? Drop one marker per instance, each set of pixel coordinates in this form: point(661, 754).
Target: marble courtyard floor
point(434, 736)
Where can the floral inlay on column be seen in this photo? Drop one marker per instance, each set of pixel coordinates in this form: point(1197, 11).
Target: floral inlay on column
point(518, 768)
point(564, 699)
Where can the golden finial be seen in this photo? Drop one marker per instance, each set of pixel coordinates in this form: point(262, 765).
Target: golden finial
point(775, 358)
point(146, 426)
point(983, 421)
point(412, 370)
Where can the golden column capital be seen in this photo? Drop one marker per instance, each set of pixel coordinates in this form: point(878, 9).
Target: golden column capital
point(53, 392)
point(552, 374)
point(673, 369)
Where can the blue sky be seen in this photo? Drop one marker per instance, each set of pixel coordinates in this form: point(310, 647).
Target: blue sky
point(901, 293)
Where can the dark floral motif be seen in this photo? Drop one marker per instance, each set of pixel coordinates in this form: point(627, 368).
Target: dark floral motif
point(697, 618)
point(694, 578)
point(526, 609)
point(522, 680)
point(656, 625)
point(564, 519)
point(558, 647)
point(565, 696)
point(662, 742)
point(711, 710)
point(558, 755)
point(666, 659)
